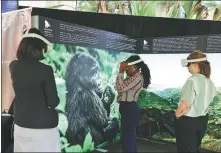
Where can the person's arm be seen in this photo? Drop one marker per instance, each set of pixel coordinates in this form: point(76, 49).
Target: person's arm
point(12, 68)
point(183, 108)
point(51, 90)
point(187, 97)
point(11, 108)
point(127, 84)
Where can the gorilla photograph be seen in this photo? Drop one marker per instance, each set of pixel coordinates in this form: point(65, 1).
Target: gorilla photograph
point(88, 111)
point(88, 106)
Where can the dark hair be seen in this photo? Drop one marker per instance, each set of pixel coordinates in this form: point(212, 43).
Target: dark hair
point(145, 71)
point(31, 48)
point(203, 65)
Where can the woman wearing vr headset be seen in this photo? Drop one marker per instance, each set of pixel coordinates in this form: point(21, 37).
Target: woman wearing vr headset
point(36, 97)
point(196, 96)
point(138, 77)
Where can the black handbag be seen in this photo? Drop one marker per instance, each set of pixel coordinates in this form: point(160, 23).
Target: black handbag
point(7, 131)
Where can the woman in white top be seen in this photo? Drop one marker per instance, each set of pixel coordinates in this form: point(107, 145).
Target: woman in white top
point(196, 96)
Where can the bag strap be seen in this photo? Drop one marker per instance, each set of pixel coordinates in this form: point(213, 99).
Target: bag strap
point(12, 129)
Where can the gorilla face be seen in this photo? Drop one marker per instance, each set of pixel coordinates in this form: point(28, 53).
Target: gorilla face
point(84, 68)
point(107, 95)
point(95, 75)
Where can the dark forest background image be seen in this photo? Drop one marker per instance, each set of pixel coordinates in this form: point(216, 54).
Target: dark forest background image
point(89, 113)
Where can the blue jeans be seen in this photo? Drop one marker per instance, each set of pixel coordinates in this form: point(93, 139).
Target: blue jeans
point(130, 114)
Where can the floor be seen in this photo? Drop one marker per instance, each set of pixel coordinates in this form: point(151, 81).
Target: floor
point(144, 145)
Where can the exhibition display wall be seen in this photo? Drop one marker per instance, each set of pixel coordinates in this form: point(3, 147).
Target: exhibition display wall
point(86, 62)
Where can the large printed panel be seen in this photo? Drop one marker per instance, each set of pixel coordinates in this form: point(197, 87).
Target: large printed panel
point(88, 110)
point(180, 44)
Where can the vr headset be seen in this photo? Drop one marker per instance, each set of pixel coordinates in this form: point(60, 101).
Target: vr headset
point(186, 62)
point(33, 35)
point(135, 62)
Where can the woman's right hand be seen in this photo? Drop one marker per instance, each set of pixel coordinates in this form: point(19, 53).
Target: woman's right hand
point(183, 108)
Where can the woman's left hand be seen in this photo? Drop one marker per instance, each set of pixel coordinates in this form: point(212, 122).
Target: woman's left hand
point(123, 66)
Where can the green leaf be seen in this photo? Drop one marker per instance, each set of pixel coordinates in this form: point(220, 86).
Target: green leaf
point(176, 10)
point(64, 142)
point(89, 6)
point(65, 146)
point(156, 3)
point(171, 9)
point(188, 6)
point(61, 88)
point(75, 148)
point(63, 123)
point(144, 8)
point(150, 11)
point(88, 143)
point(217, 14)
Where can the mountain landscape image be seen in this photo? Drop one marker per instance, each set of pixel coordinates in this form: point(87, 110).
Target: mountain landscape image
point(157, 120)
